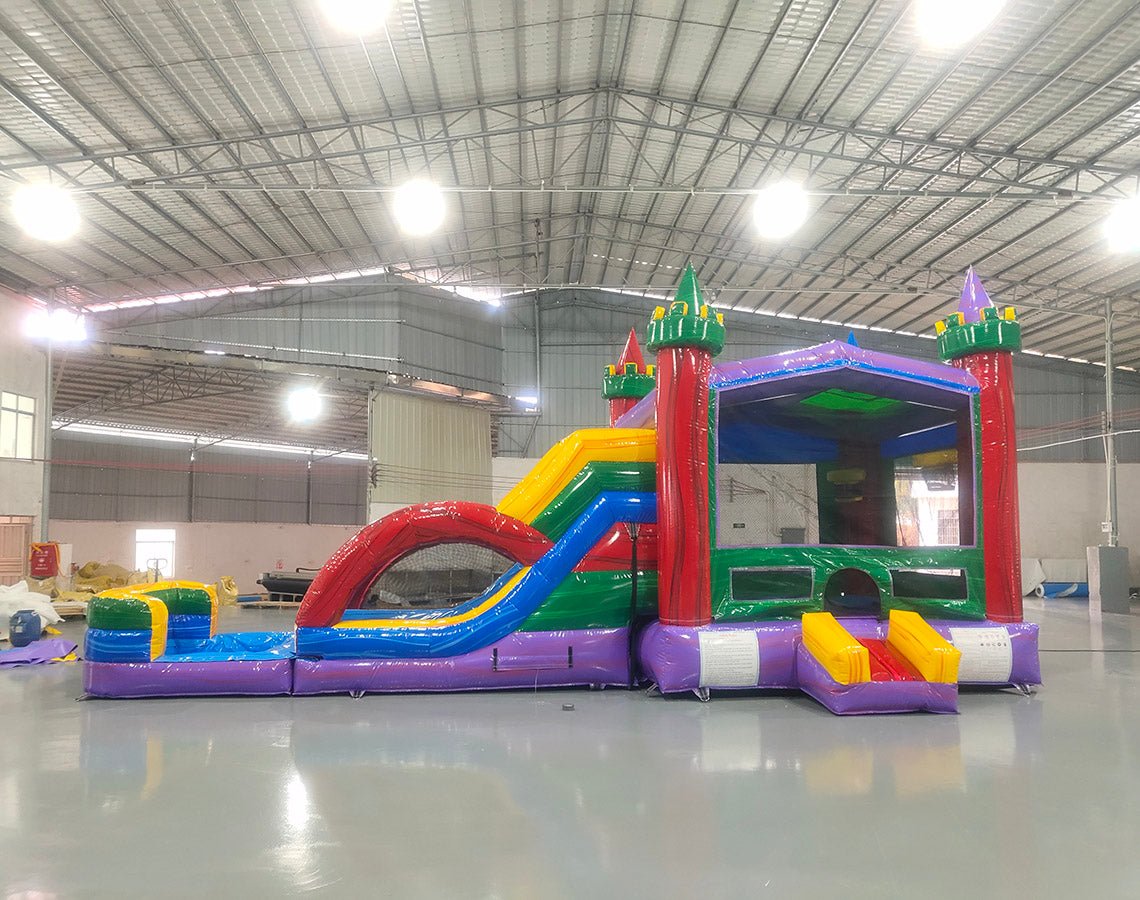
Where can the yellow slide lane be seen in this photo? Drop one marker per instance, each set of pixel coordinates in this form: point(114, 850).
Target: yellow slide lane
point(469, 614)
point(565, 460)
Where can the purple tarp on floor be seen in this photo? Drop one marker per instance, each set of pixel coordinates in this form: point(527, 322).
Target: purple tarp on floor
point(45, 650)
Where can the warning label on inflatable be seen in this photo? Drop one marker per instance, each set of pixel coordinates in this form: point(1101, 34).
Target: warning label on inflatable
point(987, 654)
point(729, 658)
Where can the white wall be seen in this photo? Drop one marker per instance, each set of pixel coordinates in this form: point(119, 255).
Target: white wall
point(205, 551)
point(1062, 507)
point(506, 472)
point(22, 367)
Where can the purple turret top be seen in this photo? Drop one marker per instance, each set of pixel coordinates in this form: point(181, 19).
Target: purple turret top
point(974, 297)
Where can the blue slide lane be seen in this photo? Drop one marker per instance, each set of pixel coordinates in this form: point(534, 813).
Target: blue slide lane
point(505, 616)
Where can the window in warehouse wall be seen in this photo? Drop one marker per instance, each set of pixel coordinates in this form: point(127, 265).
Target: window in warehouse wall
point(17, 426)
point(947, 527)
point(154, 552)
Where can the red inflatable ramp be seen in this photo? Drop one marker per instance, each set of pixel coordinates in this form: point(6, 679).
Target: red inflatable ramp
point(344, 579)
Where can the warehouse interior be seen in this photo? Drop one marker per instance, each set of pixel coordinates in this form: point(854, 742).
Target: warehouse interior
point(274, 270)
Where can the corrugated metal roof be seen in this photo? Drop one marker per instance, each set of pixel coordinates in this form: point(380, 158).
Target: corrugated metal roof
point(226, 142)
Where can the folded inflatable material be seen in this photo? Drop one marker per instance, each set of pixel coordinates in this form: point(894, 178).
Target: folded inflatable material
point(188, 679)
point(931, 655)
point(836, 650)
point(45, 650)
point(1059, 590)
point(870, 697)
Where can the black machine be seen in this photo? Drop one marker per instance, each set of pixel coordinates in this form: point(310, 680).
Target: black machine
point(287, 587)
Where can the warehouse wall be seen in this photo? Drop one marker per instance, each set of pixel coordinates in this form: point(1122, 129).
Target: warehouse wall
point(22, 366)
point(1063, 505)
point(207, 551)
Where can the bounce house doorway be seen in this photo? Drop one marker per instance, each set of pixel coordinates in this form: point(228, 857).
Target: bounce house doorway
point(852, 592)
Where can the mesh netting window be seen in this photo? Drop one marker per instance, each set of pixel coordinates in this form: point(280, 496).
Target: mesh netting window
point(437, 577)
point(926, 506)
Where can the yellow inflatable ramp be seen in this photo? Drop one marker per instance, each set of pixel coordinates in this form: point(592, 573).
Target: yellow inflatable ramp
point(833, 646)
point(933, 657)
point(565, 460)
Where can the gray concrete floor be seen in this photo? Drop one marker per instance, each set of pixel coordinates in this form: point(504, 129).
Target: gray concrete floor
point(507, 795)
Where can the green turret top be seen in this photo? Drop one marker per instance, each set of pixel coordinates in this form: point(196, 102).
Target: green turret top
point(630, 378)
point(688, 322)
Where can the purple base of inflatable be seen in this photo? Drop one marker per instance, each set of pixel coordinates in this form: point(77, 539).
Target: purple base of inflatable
point(521, 660)
point(871, 696)
point(524, 659)
point(670, 655)
point(188, 679)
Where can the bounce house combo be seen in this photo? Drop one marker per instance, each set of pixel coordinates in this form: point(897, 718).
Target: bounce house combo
point(624, 562)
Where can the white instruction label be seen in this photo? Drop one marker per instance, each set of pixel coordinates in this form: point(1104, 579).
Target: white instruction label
point(987, 654)
point(729, 658)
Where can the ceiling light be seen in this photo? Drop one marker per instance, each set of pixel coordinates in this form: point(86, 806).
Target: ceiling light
point(45, 212)
point(361, 17)
point(418, 206)
point(304, 404)
point(60, 326)
point(1122, 227)
point(951, 23)
point(780, 209)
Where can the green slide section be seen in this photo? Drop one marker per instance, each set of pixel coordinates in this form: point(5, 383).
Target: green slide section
point(594, 600)
point(593, 478)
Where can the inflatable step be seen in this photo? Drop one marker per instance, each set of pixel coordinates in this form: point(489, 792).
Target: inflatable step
point(852, 677)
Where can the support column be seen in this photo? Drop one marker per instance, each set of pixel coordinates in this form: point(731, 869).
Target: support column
point(685, 340)
point(1112, 521)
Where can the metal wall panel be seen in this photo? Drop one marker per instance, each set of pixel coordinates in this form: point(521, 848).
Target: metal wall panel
point(429, 450)
point(245, 486)
point(340, 488)
point(401, 329)
point(100, 479)
point(104, 478)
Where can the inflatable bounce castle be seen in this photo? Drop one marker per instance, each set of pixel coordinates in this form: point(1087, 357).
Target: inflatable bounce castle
point(625, 569)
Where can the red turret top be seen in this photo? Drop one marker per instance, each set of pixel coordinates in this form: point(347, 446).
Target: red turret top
point(631, 353)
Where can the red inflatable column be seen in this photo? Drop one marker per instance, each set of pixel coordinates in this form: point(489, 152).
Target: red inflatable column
point(628, 381)
point(685, 340)
point(981, 341)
